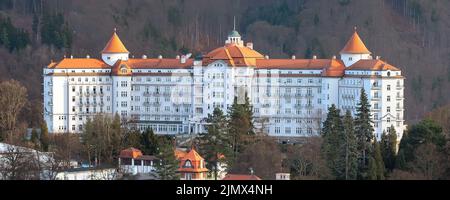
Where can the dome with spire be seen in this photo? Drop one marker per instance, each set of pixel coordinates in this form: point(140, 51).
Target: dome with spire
point(355, 45)
point(234, 33)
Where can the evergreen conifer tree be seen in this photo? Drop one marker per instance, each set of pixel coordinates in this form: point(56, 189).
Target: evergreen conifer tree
point(149, 142)
point(216, 146)
point(44, 138)
point(378, 161)
point(364, 134)
point(240, 125)
point(350, 153)
point(331, 132)
point(167, 168)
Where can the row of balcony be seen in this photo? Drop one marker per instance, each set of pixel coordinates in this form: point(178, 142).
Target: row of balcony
point(157, 94)
point(377, 87)
point(295, 105)
point(378, 109)
point(87, 94)
point(90, 104)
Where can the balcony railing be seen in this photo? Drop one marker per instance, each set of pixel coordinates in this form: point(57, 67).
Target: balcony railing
point(376, 87)
point(377, 98)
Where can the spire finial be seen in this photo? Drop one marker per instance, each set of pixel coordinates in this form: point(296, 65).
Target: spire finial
point(234, 23)
point(115, 29)
point(355, 28)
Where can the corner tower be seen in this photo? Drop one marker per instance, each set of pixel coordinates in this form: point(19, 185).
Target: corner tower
point(114, 50)
point(354, 50)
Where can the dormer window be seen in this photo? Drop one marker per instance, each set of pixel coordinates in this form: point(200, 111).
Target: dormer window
point(123, 70)
point(350, 58)
point(187, 164)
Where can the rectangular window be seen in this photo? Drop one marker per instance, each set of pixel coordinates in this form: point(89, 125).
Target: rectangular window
point(277, 130)
point(123, 83)
point(288, 130)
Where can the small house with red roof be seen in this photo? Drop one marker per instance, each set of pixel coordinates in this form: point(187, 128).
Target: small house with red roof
point(132, 161)
point(192, 165)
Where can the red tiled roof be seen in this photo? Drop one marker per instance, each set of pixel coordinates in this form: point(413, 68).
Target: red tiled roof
point(355, 45)
point(235, 55)
point(373, 65)
point(130, 153)
point(241, 177)
point(197, 162)
point(79, 63)
point(115, 45)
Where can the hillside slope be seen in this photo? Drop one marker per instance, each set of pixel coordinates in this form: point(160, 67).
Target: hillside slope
point(410, 34)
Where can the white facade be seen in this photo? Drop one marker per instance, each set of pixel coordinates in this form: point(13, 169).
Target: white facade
point(88, 174)
point(173, 96)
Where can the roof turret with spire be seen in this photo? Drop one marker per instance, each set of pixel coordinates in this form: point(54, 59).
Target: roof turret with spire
point(114, 50)
point(234, 37)
point(354, 50)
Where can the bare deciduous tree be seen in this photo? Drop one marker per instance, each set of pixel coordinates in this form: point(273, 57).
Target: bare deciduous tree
point(13, 97)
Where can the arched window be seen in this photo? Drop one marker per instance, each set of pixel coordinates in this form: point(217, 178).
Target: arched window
point(123, 69)
point(188, 164)
point(388, 73)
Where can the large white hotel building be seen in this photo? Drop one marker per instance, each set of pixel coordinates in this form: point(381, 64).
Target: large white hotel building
point(174, 95)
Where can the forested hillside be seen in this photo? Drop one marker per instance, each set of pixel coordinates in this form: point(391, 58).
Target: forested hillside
point(411, 34)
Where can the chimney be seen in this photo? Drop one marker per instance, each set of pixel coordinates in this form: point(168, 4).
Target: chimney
point(144, 57)
point(177, 57)
point(160, 57)
point(293, 57)
point(87, 56)
point(71, 56)
point(378, 57)
point(250, 45)
point(266, 57)
point(314, 57)
point(183, 59)
point(334, 57)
